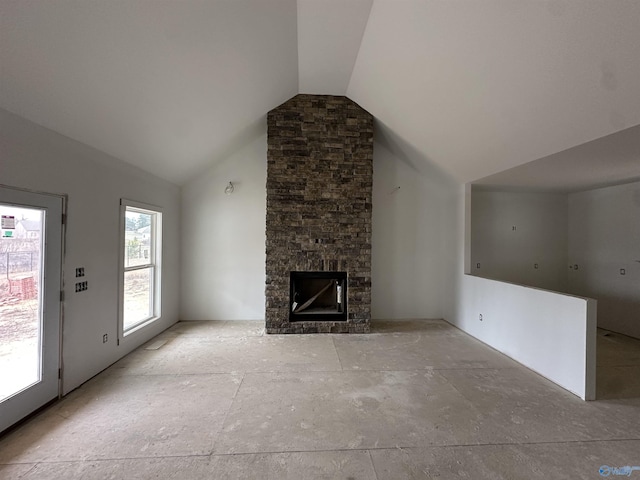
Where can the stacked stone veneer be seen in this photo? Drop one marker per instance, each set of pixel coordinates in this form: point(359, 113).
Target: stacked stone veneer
point(319, 183)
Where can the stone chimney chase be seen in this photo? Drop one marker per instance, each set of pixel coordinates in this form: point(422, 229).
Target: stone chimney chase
point(319, 187)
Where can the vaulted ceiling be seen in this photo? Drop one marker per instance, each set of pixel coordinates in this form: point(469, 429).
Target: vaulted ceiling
point(470, 87)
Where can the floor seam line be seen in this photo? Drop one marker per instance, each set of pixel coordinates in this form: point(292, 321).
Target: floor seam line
point(226, 416)
point(335, 349)
point(333, 450)
point(373, 465)
point(423, 447)
point(111, 459)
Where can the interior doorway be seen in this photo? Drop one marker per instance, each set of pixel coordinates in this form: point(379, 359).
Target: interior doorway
point(30, 286)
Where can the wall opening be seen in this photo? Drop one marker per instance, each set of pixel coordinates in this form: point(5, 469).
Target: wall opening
point(318, 296)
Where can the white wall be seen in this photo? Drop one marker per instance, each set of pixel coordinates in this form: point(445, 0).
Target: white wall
point(407, 238)
point(551, 333)
point(597, 230)
point(540, 237)
point(223, 239)
point(224, 250)
point(36, 158)
point(604, 237)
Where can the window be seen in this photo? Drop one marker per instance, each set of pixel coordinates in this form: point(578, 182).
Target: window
point(141, 255)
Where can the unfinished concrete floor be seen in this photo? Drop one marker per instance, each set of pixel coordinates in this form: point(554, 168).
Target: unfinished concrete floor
point(413, 400)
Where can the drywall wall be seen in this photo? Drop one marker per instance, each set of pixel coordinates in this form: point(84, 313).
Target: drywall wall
point(223, 255)
point(223, 241)
point(581, 242)
point(551, 333)
point(520, 237)
point(35, 158)
point(407, 237)
point(604, 238)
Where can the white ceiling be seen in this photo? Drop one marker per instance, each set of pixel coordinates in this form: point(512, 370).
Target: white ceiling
point(166, 85)
point(609, 160)
point(329, 36)
point(472, 88)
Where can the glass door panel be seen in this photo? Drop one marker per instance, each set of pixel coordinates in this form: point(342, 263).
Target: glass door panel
point(30, 283)
point(21, 269)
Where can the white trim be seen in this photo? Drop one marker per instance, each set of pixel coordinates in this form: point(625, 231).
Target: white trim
point(140, 205)
point(156, 266)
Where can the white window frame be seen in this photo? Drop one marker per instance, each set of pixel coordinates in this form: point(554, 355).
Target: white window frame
point(155, 263)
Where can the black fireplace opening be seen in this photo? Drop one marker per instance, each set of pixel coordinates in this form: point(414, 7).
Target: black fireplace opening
point(318, 296)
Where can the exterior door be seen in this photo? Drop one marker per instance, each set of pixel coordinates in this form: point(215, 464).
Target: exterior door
point(30, 266)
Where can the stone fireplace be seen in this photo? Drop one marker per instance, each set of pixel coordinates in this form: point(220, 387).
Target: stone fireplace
point(319, 184)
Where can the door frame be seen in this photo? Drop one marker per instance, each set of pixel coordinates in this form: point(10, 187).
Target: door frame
point(53, 297)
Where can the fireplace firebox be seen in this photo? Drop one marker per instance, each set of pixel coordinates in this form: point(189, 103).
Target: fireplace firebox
point(318, 296)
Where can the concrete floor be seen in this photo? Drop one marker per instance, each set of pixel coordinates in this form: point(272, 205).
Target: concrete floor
point(414, 400)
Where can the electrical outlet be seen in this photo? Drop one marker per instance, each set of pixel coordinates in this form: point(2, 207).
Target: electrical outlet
point(105, 338)
point(480, 317)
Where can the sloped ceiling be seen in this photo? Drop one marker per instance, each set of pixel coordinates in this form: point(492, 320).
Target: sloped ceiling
point(482, 86)
point(468, 87)
point(610, 160)
point(329, 36)
point(166, 85)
